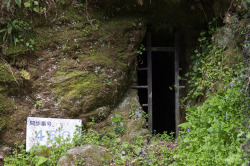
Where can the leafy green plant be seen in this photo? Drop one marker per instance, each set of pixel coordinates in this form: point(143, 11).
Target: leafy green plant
point(12, 28)
point(132, 112)
point(164, 136)
point(86, 31)
point(66, 48)
point(38, 104)
point(14, 32)
point(95, 24)
point(30, 44)
point(141, 50)
point(137, 112)
point(92, 121)
point(20, 157)
point(107, 82)
point(134, 24)
point(80, 162)
point(119, 128)
point(35, 5)
point(101, 115)
point(8, 4)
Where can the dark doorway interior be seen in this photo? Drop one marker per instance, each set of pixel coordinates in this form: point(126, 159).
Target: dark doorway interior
point(142, 80)
point(163, 81)
point(163, 96)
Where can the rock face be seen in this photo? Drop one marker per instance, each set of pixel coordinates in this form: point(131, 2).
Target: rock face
point(132, 121)
point(78, 70)
point(89, 155)
point(131, 118)
point(4, 152)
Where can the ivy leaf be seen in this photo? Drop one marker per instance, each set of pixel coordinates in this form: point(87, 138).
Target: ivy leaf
point(227, 129)
point(41, 160)
point(210, 130)
point(36, 3)
point(27, 4)
point(36, 9)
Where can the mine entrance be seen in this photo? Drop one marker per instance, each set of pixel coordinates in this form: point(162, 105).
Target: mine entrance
point(158, 70)
point(163, 92)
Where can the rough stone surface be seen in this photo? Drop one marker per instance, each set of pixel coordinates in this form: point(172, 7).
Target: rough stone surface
point(225, 37)
point(78, 70)
point(133, 122)
point(4, 152)
point(92, 155)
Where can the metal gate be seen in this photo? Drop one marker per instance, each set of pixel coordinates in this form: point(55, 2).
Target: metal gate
point(149, 50)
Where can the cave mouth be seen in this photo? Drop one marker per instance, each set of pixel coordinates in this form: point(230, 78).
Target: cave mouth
point(163, 96)
point(163, 79)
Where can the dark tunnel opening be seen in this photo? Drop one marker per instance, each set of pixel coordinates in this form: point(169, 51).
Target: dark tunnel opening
point(163, 80)
point(163, 96)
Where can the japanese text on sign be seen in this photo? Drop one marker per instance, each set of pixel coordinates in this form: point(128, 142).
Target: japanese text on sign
point(42, 131)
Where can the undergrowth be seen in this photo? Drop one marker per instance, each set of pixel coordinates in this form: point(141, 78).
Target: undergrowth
point(213, 132)
point(136, 152)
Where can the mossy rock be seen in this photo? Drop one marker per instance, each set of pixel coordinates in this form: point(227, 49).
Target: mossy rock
point(9, 80)
point(101, 71)
point(6, 110)
point(133, 122)
point(77, 69)
point(8, 85)
point(88, 154)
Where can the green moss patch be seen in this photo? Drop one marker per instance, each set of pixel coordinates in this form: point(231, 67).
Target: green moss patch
point(6, 109)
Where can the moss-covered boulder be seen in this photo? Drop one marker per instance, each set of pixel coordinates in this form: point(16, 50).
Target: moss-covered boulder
point(88, 155)
point(80, 69)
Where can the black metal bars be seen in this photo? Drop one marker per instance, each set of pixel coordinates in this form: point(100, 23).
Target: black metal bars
point(149, 81)
point(177, 89)
point(149, 50)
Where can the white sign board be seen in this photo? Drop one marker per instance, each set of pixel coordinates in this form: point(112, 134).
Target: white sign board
point(42, 131)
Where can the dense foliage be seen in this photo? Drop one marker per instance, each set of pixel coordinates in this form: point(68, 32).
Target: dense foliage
point(136, 152)
point(17, 16)
point(213, 132)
